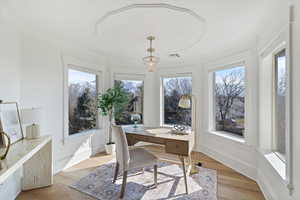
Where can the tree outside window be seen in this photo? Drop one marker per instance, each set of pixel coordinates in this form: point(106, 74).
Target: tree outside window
point(135, 93)
point(229, 91)
point(173, 89)
point(83, 112)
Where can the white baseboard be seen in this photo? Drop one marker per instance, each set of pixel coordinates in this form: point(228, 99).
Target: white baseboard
point(234, 163)
point(73, 159)
point(98, 150)
point(265, 188)
point(69, 161)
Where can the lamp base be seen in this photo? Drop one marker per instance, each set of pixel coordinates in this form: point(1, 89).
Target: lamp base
point(33, 131)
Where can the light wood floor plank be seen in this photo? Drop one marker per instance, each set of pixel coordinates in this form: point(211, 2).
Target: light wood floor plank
point(231, 184)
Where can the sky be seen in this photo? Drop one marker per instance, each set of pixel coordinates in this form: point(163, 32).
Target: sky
point(221, 73)
point(76, 76)
point(132, 85)
point(281, 66)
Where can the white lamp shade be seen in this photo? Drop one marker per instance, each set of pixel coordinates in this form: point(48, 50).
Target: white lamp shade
point(31, 115)
point(184, 102)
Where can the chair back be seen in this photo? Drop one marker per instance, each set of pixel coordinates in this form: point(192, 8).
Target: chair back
point(122, 150)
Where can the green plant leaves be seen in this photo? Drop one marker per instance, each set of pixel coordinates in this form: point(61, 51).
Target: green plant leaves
point(113, 98)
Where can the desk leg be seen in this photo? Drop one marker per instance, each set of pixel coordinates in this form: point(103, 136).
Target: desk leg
point(184, 173)
point(38, 169)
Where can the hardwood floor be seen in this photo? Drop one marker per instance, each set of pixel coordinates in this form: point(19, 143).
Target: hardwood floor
point(231, 185)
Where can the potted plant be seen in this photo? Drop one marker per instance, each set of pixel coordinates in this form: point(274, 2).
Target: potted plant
point(113, 98)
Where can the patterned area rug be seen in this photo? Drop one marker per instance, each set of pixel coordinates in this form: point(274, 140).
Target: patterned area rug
point(98, 184)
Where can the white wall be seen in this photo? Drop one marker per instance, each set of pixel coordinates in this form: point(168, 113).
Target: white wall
point(273, 186)
point(237, 155)
point(10, 59)
point(268, 178)
point(42, 85)
point(32, 73)
point(296, 98)
point(10, 63)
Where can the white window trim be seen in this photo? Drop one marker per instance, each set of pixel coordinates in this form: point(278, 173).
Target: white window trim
point(84, 67)
point(131, 77)
point(212, 105)
point(281, 47)
point(277, 43)
point(284, 166)
point(162, 99)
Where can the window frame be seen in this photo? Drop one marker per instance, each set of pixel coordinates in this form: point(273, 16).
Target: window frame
point(128, 77)
point(274, 134)
point(212, 103)
point(283, 169)
point(99, 87)
point(162, 99)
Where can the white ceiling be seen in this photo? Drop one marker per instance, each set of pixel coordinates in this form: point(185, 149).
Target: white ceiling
point(228, 26)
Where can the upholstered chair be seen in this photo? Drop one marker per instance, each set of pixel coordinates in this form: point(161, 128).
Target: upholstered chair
point(126, 159)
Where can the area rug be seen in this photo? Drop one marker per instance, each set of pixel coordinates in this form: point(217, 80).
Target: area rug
point(98, 184)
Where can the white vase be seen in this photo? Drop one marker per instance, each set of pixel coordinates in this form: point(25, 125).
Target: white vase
point(110, 149)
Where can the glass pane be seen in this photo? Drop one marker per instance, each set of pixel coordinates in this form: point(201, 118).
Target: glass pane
point(229, 91)
point(280, 60)
point(82, 101)
point(174, 88)
point(135, 91)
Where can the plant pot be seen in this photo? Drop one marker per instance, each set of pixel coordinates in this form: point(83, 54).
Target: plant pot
point(110, 149)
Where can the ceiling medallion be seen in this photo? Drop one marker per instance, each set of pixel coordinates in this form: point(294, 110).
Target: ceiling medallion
point(151, 61)
point(154, 5)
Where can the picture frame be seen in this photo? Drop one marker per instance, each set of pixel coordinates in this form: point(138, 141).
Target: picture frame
point(10, 121)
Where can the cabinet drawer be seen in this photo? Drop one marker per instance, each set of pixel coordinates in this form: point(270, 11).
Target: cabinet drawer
point(177, 147)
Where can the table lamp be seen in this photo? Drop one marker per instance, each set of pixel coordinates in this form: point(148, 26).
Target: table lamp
point(185, 102)
point(31, 118)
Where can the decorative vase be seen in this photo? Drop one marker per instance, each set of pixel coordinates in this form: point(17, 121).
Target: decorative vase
point(33, 131)
point(110, 149)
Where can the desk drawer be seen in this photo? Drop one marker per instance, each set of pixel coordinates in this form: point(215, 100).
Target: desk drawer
point(177, 147)
point(134, 138)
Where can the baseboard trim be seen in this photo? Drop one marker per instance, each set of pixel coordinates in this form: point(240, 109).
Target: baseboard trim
point(238, 165)
point(265, 188)
point(98, 150)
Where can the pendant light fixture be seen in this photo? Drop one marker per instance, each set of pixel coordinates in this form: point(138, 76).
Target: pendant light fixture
point(151, 61)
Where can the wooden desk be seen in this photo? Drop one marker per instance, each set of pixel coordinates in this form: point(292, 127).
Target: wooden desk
point(181, 145)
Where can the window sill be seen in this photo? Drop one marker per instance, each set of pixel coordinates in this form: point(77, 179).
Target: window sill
point(82, 134)
point(229, 136)
point(277, 164)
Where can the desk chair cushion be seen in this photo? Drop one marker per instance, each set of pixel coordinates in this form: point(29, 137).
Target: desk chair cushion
point(122, 150)
point(130, 159)
point(140, 158)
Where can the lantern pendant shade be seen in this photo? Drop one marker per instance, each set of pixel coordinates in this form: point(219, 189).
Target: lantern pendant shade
point(151, 61)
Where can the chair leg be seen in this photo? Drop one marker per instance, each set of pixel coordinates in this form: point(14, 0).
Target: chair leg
point(123, 184)
point(116, 172)
point(155, 175)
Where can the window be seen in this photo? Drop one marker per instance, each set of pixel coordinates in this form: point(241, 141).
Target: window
point(280, 82)
point(229, 100)
point(173, 89)
point(135, 90)
point(82, 100)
